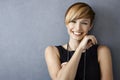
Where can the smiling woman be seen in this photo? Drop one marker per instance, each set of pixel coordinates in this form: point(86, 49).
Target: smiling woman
point(78, 28)
point(82, 58)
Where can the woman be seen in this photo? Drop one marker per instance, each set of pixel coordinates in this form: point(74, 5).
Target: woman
point(81, 58)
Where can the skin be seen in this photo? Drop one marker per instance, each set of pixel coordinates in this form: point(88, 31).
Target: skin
point(79, 41)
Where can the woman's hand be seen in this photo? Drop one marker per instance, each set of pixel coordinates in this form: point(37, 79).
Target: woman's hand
point(87, 42)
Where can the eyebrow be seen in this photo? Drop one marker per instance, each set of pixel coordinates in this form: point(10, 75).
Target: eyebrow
point(86, 20)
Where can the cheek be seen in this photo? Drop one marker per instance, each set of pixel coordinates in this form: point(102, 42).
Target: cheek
point(86, 29)
point(70, 27)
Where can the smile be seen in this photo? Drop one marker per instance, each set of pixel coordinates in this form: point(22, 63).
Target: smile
point(77, 33)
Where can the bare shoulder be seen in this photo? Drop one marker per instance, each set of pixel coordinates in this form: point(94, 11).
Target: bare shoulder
point(103, 52)
point(52, 61)
point(51, 50)
point(105, 61)
point(103, 48)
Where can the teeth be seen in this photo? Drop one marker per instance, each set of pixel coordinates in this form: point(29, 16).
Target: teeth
point(77, 33)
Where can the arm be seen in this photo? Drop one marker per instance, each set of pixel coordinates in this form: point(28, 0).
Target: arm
point(104, 58)
point(57, 72)
point(68, 71)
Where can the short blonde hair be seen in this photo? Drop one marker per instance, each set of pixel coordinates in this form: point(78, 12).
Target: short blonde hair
point(79, 10)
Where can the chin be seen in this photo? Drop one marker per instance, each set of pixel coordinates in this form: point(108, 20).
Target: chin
point(79, 39)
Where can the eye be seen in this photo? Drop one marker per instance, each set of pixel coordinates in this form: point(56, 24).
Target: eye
point(85, 23)
point(73, 21)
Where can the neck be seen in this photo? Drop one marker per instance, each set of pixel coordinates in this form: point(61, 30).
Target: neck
point(73, 44)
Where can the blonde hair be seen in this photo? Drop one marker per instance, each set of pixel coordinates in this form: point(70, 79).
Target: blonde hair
point(79, 10)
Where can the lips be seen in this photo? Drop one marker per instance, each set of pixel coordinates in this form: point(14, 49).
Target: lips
point(77, 33)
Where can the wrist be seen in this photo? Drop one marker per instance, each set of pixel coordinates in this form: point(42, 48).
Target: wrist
point(80, 49)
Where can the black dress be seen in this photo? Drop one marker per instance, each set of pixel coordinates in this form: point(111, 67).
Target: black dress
point(92, 70)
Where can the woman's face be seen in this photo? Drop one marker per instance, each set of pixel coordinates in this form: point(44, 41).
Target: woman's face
point(77, 29)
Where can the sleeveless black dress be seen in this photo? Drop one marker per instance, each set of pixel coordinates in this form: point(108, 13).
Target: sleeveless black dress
point(92, 69)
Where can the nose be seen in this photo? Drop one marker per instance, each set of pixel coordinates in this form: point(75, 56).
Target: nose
point(78, 27)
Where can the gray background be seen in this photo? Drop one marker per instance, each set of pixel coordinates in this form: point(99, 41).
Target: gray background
point(27, 27)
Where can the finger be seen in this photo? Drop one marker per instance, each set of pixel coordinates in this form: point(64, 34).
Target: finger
point(89, 45)
point(94, 40)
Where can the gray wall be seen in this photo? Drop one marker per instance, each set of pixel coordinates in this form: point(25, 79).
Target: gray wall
point(28, 26)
